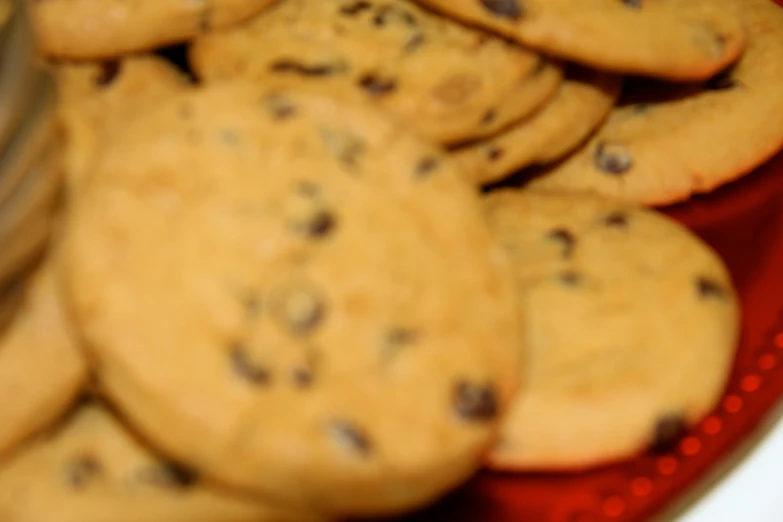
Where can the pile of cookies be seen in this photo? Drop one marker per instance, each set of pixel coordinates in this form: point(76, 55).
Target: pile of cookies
point(325, 259)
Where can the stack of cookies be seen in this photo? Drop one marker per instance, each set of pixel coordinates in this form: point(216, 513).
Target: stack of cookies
point(325, 259)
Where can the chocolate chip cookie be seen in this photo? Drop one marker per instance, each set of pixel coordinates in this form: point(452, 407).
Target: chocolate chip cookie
point(89, 29)
point(259, 272)
point(665, 143)
point(672, 39)
point(93, 469)
point(632, 322)
point(96, 97)
point(450, 82)
point(42, 368)
point(581, 104)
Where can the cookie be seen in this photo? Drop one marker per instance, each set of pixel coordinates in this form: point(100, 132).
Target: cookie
point(632, 325)
point(665, 143)
point(86, 29)
point(264, 267)
point(93, 469)
point(672, 39)
point(581, 104)
point(450, 82)
point(96, 97)
point(42, 368)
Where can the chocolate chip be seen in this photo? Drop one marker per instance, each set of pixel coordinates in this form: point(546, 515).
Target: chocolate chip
point(489, 117)
point(290, 66)
point(355, 8)
point(722, 82)
point(280, 107)
point(170, 475)
point(612, 158)
point(247, 369)
point(616, 220)
point(511, 9)
point(710, 288)
point(350, 437)
point(425, 167)
point(82, 470)
point(473, 402)
point(636, 4)
point(414, 42)
point(494, 153)
point(376, 85)
point(320, 224)
point(108, 73)
point(668, 431)
point(299, 309)
point(570, 278)
point(565, 238)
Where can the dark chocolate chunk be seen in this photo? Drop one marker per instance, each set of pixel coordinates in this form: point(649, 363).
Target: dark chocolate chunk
point(355, 8)
point(170, 475)
point(350, 437)
point(710, 288)
point(299, 310)
point(302, 377)
point(722, 81)
point(612, 158)
point(668, 431)
point(565, 238)
point(81, 470)
point(108, 73)
point(511, 9)
point(377, 85)
point(247, 369)
point(425, 167)
point(475, 403)
point(616, 220)
point(291, 66)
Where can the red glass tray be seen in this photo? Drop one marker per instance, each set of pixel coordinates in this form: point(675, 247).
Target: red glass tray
point(744, 222)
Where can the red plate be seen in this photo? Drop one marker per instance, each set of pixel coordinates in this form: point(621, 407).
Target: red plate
point(744, 223)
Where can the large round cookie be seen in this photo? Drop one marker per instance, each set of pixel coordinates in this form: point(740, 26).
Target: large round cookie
point(581, 104)
point(96, 97)
point(664, 143)
point(673, 39)
point(41, 367)
point(295, 296)
point(450, 82)
point(92, 469)
point(90, 29)
point(632, 325)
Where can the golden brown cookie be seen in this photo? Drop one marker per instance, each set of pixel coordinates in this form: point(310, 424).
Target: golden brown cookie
point(672, 39)
point(42, 368)
point(93, 469)
point(450, 82)
point(263, 268)
point(581, 104)
point(94, 98)
point(632, 325)
point(665, 143)
point(90, 29)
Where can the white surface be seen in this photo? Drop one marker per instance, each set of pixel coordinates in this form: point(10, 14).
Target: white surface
point(753, 492)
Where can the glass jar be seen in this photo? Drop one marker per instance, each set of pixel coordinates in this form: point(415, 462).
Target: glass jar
point(30, 166)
